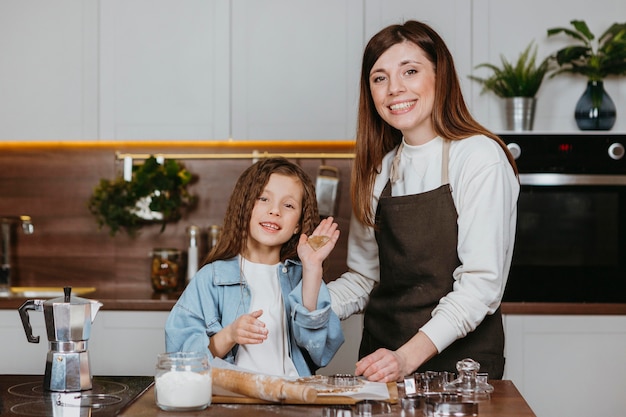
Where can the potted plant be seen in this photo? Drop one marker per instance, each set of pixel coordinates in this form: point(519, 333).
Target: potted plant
point(156, 193)
point(595, 110)
point(517, 83)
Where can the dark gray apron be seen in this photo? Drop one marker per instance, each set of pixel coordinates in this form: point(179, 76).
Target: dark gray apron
point(417, 240)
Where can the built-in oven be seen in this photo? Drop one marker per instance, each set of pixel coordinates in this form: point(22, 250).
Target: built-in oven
point(570, 241)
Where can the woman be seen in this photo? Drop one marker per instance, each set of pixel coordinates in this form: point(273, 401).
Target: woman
point(434, 197)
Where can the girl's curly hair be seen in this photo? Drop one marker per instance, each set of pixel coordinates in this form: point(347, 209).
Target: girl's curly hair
point(248, 188)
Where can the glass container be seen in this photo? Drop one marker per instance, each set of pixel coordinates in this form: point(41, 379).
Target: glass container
point(183, 381)
point(165, 269)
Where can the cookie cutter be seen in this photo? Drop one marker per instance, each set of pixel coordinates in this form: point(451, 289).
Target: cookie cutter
point(470, 384)
point(337, 411)
point(369, 408)
point(343, 380)
point(449, 405)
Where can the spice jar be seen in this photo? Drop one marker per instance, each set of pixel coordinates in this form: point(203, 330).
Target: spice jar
point(182, 381)
point(165, 270)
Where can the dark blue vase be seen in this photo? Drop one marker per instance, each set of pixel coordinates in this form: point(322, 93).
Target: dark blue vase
point(595, 110)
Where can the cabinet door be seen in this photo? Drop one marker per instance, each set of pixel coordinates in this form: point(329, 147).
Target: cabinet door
point(127, 342)
point(295, 68)
point(18, 355)
point(121, 343)
point(48, 70)
point(568, 365)
point(164, 69)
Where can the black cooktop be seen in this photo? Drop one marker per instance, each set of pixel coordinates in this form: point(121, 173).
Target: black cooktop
point(23, 395)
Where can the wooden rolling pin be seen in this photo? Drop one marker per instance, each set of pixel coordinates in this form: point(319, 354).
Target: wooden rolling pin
point(269, 388)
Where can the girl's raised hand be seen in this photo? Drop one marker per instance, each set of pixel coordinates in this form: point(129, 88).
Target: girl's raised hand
point(308, 255)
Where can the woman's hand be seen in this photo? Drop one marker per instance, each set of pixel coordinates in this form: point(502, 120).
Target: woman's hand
point(385, 365)
point(382, 366)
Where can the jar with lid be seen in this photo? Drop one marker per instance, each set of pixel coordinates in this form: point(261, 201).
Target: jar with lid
point(165, 269)
point(183, 381)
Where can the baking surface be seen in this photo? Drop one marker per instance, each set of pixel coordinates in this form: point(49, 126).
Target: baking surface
point(506, 401)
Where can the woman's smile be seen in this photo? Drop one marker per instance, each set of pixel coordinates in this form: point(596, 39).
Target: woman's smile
point(402, 107)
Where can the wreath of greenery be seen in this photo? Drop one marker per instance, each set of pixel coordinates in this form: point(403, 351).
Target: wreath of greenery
point(156, 193)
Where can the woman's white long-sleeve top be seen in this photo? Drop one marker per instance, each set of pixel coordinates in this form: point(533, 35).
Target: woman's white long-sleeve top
point(485, 191)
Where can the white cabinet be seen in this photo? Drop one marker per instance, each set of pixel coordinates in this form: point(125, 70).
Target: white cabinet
point(48, 69)
point(568, 365)
point(295, 68)
point(127, 342)
point(251, 70)
point(164, 69)
point(121, 343)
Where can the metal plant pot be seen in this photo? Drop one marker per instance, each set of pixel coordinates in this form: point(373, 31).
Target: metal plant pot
point(520, 113)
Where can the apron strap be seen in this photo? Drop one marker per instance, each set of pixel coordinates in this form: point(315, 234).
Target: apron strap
point(395, 164)
point(444, 162)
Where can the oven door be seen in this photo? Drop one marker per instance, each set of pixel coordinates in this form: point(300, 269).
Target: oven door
point(570, 244)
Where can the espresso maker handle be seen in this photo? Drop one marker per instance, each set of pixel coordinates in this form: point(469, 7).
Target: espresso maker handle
point(29, 305)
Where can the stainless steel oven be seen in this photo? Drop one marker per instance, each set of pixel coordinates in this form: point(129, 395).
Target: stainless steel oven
point(571, 229)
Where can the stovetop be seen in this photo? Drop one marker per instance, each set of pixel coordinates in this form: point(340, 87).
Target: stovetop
point(23, 395)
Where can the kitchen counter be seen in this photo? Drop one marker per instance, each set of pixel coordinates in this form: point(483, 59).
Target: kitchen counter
point(506, 401)
point(132, 297)
point(24, 393)
point(143, 298)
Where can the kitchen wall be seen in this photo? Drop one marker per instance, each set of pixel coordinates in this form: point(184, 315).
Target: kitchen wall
point(75, 70)
point(52, 183)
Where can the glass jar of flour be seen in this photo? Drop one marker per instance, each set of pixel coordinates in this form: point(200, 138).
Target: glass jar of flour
point(182, 381)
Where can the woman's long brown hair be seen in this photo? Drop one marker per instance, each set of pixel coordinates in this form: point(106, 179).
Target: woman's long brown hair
point(375, 138)
point(248, 188)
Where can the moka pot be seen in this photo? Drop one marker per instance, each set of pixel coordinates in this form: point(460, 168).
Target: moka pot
point(68, 325)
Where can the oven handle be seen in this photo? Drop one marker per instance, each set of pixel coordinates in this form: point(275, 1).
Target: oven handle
point(571, 179)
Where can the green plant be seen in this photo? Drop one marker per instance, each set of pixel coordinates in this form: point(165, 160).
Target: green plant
point(607, 58)
point(156, 192)
point(520, 79)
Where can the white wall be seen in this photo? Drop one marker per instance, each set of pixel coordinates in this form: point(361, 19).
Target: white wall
point(244, 69)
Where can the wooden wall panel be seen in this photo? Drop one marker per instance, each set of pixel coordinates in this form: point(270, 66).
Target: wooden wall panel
point(52, 184)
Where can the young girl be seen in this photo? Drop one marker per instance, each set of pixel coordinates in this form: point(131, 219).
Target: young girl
point(259, 301)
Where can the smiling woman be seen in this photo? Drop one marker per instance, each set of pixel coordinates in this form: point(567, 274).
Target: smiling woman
point(434, 196)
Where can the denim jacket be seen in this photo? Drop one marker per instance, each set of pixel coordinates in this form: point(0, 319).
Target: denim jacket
point(217, 295)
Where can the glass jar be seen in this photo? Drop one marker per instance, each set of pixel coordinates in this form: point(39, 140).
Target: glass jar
point(165, 270)
point(182, 381)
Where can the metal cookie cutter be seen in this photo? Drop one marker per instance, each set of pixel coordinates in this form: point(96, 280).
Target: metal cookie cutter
point(343, 380)
point(449, 405)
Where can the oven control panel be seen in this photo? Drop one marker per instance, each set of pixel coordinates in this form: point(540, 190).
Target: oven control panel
point(590, 154)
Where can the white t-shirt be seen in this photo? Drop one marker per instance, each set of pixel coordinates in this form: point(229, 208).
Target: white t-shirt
point(485, 191)
point(272, 356)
